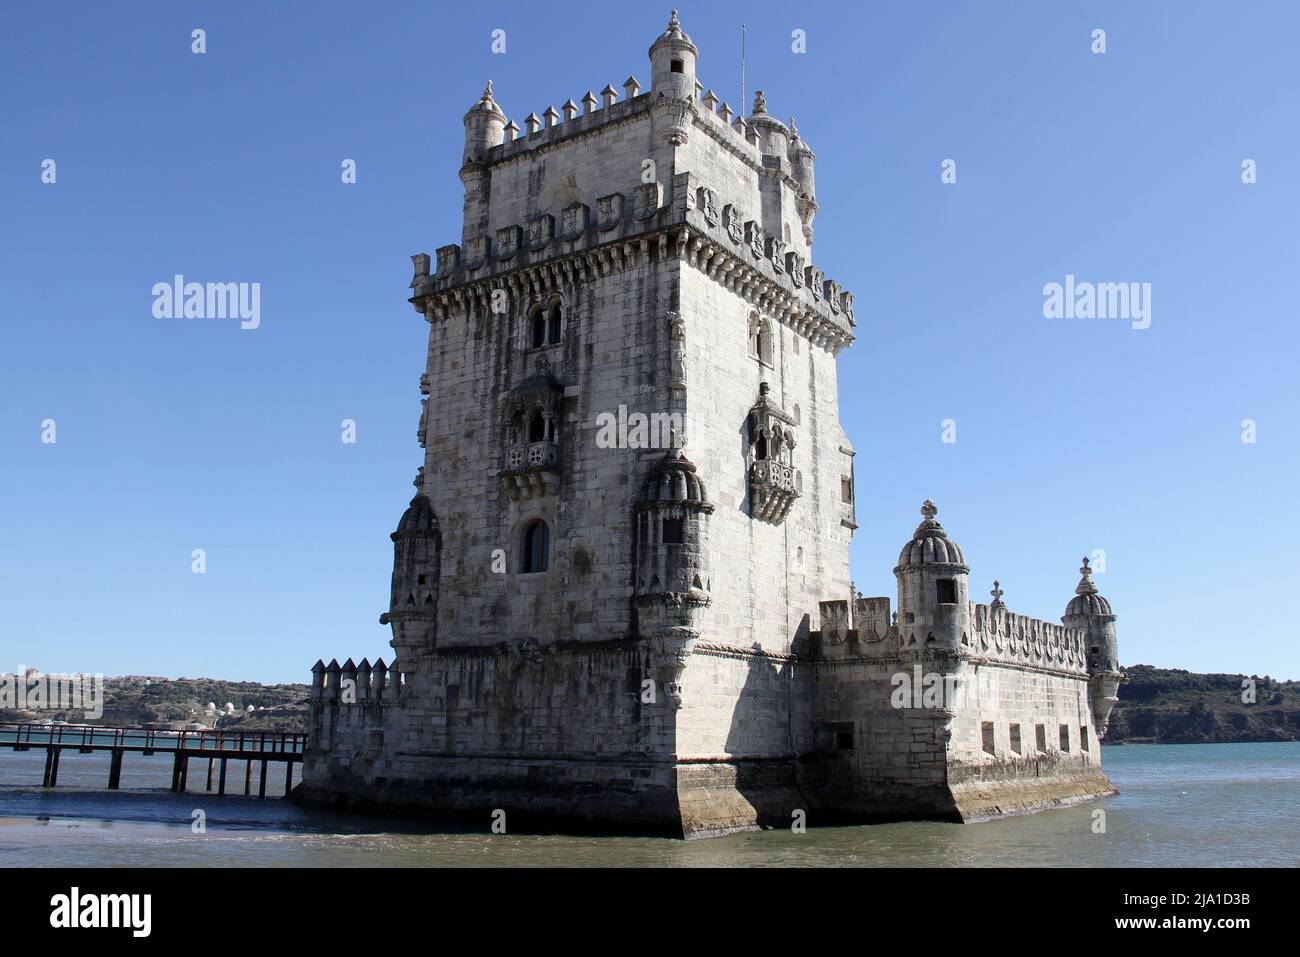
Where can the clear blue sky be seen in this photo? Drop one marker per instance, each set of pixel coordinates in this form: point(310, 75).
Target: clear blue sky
point(1072, 435)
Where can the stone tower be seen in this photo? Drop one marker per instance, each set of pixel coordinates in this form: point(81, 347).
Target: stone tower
point(1089, 612)
point(621, 596)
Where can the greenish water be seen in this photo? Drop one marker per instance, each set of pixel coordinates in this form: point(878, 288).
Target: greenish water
point(1224, 805)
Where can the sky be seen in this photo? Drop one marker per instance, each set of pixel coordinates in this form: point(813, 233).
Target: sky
point(1072, 436)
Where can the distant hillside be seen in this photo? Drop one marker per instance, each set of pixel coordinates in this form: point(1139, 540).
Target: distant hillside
point(1172, 706)
point(1156, 706)
point(142, 700)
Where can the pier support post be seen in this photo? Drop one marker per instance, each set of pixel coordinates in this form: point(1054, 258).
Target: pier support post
point(211, 763)
point(248, 777)
point(115, 769)
point(177, 763)
point(288, 777)
point(221, 785)
point(51, 768)
point(261, 787)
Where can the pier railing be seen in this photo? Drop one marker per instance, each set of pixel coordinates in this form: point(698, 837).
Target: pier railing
point(217, 746)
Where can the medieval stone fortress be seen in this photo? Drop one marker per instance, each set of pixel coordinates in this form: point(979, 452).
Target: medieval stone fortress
point(663, 636)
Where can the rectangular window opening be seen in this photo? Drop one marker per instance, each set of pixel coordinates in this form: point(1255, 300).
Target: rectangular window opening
point(674, 531)
point(1015, 738)
point(947, 591)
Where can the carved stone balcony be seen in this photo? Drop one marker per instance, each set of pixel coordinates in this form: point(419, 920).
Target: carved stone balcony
point(532, 468)
point(773, 488)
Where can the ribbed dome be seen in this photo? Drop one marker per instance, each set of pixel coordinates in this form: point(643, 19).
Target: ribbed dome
point(930, 544)
point(675, 480)
point(1086, 600)
point(418, 518)
point(1088, 605)
point(486, 104)
point(675, 36)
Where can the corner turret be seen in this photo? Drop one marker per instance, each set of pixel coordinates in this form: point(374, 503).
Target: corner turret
point(485, 127)
point(773, 137)
point(933, 603)
point(672, 62)
point(802, 164)
point(417, 553)
point(1089, 612)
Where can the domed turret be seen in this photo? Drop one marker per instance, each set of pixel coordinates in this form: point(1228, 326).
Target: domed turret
point(934, 610)
point(930, 544)
point(418, 517)
point(670, 524)
point(676, 480)
point(773, 137)
point(802, 167)
point(1086, 600)
point(1089, 612)
point(485, 126)
point(672, 62)
point(417, 554)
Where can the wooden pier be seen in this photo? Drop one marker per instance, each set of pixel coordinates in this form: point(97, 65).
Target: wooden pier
point(218, 747)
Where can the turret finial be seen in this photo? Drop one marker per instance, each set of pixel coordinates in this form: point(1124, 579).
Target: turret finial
point(1086, 584)
point(760, 103)
point(997, 595)
point(928, 509)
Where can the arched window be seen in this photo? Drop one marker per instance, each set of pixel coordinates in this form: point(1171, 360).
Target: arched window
point(760, 338)
point(537, 327)
point(553, 324)
point(537, 427)
point(537, 547)
point(760, 448)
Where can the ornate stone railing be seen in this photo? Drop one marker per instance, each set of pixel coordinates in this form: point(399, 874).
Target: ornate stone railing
point(773, 488)
point(1005, 635)
point(532, 456)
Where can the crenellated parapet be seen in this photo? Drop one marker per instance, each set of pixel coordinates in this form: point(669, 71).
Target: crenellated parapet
point(522, 263)
point(352, 684)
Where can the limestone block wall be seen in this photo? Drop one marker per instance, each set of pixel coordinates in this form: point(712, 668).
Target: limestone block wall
point(999, 699)
point(613, 351)
point(775, 573)
point(739, 703)
point(560, 732)
point(871, 758)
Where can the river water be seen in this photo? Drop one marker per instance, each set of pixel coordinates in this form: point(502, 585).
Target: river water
point(1201, 805)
